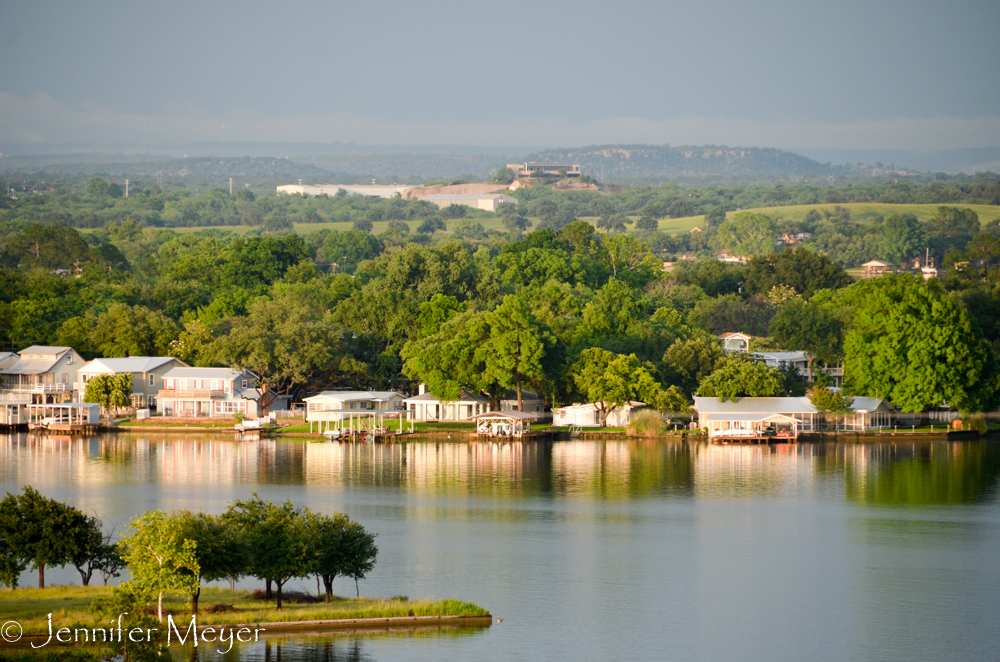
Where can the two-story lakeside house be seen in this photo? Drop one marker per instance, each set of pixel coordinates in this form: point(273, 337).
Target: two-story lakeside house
point(47, 374)
point(205, 392)
point(147, 375)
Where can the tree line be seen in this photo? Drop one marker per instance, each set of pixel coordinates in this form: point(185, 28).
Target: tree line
point(180, 551)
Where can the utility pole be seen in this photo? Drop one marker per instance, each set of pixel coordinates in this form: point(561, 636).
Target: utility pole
point(230, 186)
point(126, 188)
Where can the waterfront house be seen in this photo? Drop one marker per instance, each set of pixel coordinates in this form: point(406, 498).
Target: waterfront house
point(205, 392)
point(749, 417)
point(735, 342)
point(46, 373)
point(798, 360)
point(336, 405)
point(587, 414)
point(147, 375)
point(426, 406)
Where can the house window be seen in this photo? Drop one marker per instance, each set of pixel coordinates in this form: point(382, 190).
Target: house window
point(168, 384)
point(65, 378)
point(230, 406)
point(69, 360)
point(597, 417)
point(199, 383)
point(243, 384)
point(215, 384)
point(227, 386)
point(152, 380)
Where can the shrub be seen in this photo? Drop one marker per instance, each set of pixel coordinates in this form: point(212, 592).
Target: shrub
point(646, 423)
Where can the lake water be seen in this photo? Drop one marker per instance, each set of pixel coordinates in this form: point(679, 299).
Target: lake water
point(605, 550)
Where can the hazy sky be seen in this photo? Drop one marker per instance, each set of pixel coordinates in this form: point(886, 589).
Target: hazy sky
point(871, 74)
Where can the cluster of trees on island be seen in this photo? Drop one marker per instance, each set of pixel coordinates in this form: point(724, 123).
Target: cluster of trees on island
point(180, 551)
point(573, 312)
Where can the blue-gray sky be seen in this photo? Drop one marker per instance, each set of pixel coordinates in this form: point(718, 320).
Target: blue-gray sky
point(847, 74)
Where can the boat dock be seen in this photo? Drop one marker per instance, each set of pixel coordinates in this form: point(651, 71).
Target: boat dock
point(64, 417)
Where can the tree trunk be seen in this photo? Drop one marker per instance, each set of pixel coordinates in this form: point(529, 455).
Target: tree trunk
point(267, 593)
point(279, 592)
point(159, 607)
point(194, 600)
point(85, 575)
point(41, 576)
point(328, 585)
point(357, 589)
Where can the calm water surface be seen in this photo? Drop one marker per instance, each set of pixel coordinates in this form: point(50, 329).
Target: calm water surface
point(606, 550)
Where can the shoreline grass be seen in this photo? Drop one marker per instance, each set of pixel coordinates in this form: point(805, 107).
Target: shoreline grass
point(69, 607)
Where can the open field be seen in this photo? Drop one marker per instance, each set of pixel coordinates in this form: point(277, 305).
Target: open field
point(69, 605)
point(860, 211)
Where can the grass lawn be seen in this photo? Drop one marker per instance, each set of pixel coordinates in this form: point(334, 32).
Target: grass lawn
point(69, 604)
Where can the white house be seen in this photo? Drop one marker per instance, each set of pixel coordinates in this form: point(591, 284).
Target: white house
point(797, 360)
point(208, 392)
point(531, 402)
point(428, 407)
point(147, 375)
point(47, 373)
point(335, 405)
point(587, 415)
point(748, 417)
point(735, 342)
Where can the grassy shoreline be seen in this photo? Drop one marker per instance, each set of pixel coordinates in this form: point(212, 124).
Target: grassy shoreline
point(69, 607)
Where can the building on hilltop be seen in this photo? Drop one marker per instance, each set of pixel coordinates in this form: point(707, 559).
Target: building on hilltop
point(522, 170)
point(489, 202)
point(313, 190)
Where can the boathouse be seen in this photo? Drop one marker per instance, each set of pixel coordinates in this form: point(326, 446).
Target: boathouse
point(755, 418)
point(510, 424)
point(587, 414)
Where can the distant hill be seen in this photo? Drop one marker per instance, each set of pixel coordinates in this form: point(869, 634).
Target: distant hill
point(645, 164)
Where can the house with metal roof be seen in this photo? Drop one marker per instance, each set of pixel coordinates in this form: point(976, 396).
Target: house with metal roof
point(797, 360)
point(785, 416)
point(147, 375)
point(205, 392)
point(336, 405)
point(46, 373)
point(587, 414)
point(425, 406)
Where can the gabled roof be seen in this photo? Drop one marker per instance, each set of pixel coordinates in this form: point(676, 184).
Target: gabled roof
point(733, 334)
point(862, 403)
point(353, 396)
point(7, 356)
point(46, 349)
point(781, 356)
point(514, 415)
point(877, 263)
point(130, 364)
point(754, 406)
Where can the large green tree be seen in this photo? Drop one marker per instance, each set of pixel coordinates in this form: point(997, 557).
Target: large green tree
point(798, 268)
point(747, 234)
point(902, 237)
point(911, 343)
point(220, 550)
point(736, 375)
point(611, 381)
point(810, 327)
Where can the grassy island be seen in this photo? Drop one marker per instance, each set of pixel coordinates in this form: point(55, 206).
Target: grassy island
point(69, 606)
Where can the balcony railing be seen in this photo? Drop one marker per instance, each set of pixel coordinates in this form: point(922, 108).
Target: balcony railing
point(198, 394)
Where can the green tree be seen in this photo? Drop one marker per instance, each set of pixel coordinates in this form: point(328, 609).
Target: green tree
point(88, 540)
point(951, 229)
point(747, 234)
point(810, 327)
point(911, 343)
point(611, 381)
point(736, 375)
point(647, 224)
point(159, 557)
point(902, 237)
point(347, 249)
point(359, 553)
point(278, 539)
point(799, 268)
point(431, 225)
point(112, 392)
point(364, 225)
point(516, 346)
point(396, 225)
point(133, 331)
point(689, 360)
point(504, 176)
point(831, 402)
point(281, 346)
point(40, 531)
point(220, 551)
point(630, 260)
point(328, 542)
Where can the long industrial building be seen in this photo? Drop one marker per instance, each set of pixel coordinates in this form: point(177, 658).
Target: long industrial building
point(313, 190)
point(530, 169)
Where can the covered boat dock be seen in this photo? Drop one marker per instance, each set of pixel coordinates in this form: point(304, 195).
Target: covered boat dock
point(505, 424)
point(72, 417)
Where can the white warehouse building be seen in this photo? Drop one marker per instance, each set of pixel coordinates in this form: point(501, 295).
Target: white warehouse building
point(489, 201)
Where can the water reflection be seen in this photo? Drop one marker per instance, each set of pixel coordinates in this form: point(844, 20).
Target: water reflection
point(870, 474)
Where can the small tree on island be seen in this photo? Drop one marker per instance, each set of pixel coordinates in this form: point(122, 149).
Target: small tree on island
point(341, 547)
point(159, 557)
point(220, 550)
point(359, 553)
